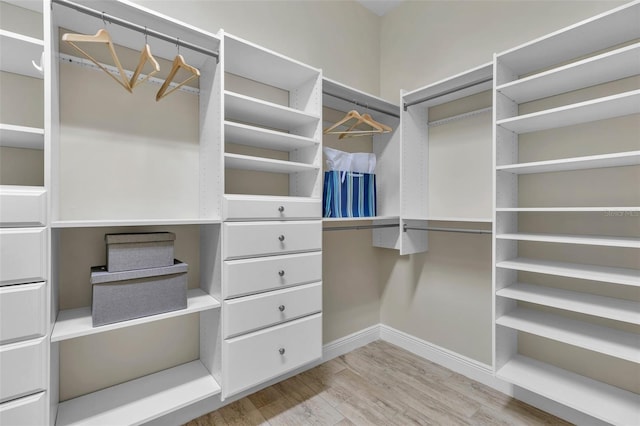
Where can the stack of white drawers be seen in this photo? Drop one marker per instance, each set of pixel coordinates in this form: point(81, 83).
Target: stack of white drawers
point(23, 305)
point(272, 288)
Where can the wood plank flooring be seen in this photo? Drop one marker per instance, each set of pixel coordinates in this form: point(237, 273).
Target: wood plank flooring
point(378, 384)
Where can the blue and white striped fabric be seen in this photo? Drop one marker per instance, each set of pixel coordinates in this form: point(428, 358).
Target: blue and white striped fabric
point(349, 194)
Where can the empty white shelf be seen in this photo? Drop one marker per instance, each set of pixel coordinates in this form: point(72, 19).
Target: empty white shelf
point(618, 159)
point(261, 113)
point(594, 240)
point(101, 223)
point(351, 219)
point(583, 112)
point(21, 136)
point(630, 209)
point(344, 98)
point(605, 340)
point(597, 399)
point(17, 53)
point(625, 276)
point(584, 303)
point(260, 164)
point(243, 134)
point(609, 66)
point(72, 323)
point(141, 400)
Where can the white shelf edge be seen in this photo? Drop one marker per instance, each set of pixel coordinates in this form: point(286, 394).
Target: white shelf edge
point(595, 240)
point(98, 223)
point(73, 323)
point(141, 400)
point(597, 399)
point(21, 38)
point(247, 162)
point(21, 136)
point(631, 209)
point(619, 159)
point(352, 219)
point(584, 303)
point(608, 341)
point(624, 276)
point(271, 198)
point(288, 110)
point(451, 219)
point(284, 141)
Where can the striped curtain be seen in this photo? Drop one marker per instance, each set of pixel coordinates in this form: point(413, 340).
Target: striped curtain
point(349, 194)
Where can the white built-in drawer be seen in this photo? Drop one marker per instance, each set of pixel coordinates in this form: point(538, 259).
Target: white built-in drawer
point(256, 275)
point(28, 411)
point(24, 312)
point(246, 239)
point(271, 208)
point(22, 255)
point(22, 206)
point(250, 313)
point(22, 368)
point(254, 358)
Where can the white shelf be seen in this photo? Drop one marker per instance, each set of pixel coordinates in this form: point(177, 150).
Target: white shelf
point(261, 113)
point(605, 340)
point(594, 240)
point(609, 66)
point(456, 219)
point(618, 159)
point(352, 219)
point(344, 98)
point(260, 164)
point(597, 399)
point(584, 303)
point(624, 276)
point(101, 223)
point(72, 323)
point(21, 137)
point(17, 53)
point(141, 400)
point(568, 209)
point(243, 134)
point(583, 112)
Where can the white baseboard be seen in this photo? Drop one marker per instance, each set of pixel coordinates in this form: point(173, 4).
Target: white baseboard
point(351, 342)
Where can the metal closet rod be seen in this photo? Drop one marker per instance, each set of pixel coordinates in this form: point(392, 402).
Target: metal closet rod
point(359, 227)
point(448, 92)
point(135, 27)
point(353, 101)
point(406, 228)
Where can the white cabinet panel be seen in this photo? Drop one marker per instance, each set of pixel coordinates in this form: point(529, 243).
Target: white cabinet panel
point(22, 206)
point(247, 276)
point(28, 411)
point(263, 310)
point(24, 311)
point(22, 368)
point(261, 238)
point(271, 208)
point(257, 357)
point(23, 255)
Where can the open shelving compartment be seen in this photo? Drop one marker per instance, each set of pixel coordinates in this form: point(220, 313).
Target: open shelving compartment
point(566, 220)
point(123, 162)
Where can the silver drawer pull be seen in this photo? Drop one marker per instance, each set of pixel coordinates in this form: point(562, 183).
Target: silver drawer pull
point(281, 237)
point(281, 272)
point(281, 209)
point(281, 350)
point(281, 308)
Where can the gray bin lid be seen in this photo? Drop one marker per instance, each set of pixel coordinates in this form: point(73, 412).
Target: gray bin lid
point(100, 275)
point(141, 237)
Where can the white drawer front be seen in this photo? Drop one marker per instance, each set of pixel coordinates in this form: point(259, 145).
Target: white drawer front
point(255, 358)
point(248, 276)
point(24, 311)
point(22, 206)
point(28, 411)
point(271, 208)
point(262, 238)
point(263, 310)
point(22, 255)
point(22, 368)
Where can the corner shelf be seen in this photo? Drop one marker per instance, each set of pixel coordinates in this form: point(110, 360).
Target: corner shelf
point(261, 164)
point(618, 159)
point(141, 400)
point(21, 137)
point(594, 240)
point(72, 323)
point(243, 134)
point(584, 303)
point(101, 223)
point(17, 53)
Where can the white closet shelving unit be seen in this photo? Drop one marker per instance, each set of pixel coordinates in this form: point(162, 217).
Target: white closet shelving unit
point(414, 192)
point(593, 52)
point(385, 146)
point(134, 179)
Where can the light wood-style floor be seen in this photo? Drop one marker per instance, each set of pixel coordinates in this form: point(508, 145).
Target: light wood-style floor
point(378, 384)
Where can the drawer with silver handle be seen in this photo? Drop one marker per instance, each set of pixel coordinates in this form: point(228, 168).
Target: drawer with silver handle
point(22, 368)
point(22, 206)
point(245, 207)
point(23, 256)
point(28, 411)
point(24, 310)
point(249, 313)
point(256, 275)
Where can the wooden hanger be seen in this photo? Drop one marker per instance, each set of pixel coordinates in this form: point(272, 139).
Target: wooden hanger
point(178, 63)
point(102, 36)
point(145, 56)
point(376, 128)
point(351, 115)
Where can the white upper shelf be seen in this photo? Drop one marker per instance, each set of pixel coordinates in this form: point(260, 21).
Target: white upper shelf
point(261, 164)
point(344, 98)
point(594, 240)
point(243, 134)
point(591, 35)
point(251, 61)
point(621, 210)
point(21, 137)
point(609, 66)
point(583, 112)
point(618, 159)
point(17, 53)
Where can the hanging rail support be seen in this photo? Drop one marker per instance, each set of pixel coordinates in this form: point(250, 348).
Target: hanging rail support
point(134, 27)
point(406, 228)
point(447, 92)
point(354, 101)
point(359, 227)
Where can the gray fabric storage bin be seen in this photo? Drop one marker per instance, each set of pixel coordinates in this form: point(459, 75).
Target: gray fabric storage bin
point(126, 252)
point(121, 296)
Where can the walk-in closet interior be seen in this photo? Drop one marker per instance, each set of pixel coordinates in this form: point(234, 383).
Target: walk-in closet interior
point(493, 234)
